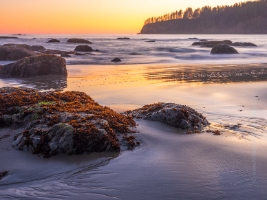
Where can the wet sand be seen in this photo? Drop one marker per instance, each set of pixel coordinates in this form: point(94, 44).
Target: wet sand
point(168, 164)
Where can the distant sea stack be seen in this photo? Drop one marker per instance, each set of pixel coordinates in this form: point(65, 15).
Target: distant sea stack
point(240, 18)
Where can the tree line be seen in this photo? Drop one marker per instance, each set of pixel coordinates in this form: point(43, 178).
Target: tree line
point(237, 12)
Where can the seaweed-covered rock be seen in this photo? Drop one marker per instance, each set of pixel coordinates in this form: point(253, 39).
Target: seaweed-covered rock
point(15, 52)
point(176, 115)
point(35, 66)
point(78, 40)
point(223, 49)
point(53, 41)
point(84, 48)
point(63, 123)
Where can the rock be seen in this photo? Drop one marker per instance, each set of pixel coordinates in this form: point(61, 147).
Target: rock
point(37, 48)
point(84, 48)
point(14, 53)
point(78, 40)
point(53, 41)
point(211, 43)
point(51, 51)
point(116, 60)
point(176, 115)
point(193, 38)
point(223, 49)
point(123, 38)
point(63, 123)
point(64, 55)
point(203, 40)
point(8, 37)
point(25, 46)
point(150, 41)
point(244, 44)
point(35, 66)
point(3, 174)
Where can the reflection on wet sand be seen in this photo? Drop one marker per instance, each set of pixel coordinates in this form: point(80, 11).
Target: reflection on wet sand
point(210, 74)
point(42, 83)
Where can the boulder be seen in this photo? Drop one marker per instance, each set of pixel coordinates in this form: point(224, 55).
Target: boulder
point(14, 53)
point(116, 60)
point(223, 49)
point(53, 41)
point(244, 44)
point(63, 123)
point(35, 66)
point(78, 40)
point(150, 41)
point(84, 48)
point(211, 43)
point(172, 114)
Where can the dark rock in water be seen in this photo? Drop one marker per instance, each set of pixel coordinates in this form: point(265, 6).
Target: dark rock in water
point(135, 54)
point(150, 41)
point(3, 174)
point(35, 66)
point(223, 49)
point(84, 48)
point(116, 60)
point(14, 53)
point(203, 40)
point(176, 115)
point(37, 48)
point(51, 51)
point(78, 40)
point(25, 46)
point(63, 123)
point(123, 38)
point(211, 43)
point(193, 38)
point(78, 54)
point(53, 41)
point(65, 55)
point(8, 37)
point(244, 44)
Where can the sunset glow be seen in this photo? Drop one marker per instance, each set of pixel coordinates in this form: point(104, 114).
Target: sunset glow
point(87, 16)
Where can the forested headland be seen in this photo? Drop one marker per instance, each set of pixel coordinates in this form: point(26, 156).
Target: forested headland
point(241, 18)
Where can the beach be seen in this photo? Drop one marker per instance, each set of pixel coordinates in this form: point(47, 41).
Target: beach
point(230, 91)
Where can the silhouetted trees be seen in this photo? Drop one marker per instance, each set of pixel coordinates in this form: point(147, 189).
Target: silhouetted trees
point(225, 14)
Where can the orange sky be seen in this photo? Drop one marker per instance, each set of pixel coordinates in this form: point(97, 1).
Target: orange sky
point(87, 16)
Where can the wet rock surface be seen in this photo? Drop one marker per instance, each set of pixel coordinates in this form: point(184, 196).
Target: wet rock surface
point(78, 40)
point(15, 52)
point(35, 66)
point(179, 116)
point(244, 44)
point(83, 48)
point(63, 123)
point(123, 38)
point(223, 49)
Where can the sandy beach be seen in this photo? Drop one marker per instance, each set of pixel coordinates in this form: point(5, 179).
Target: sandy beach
point(168, 162)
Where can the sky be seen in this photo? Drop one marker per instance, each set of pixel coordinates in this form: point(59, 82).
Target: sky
point(87, 16)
